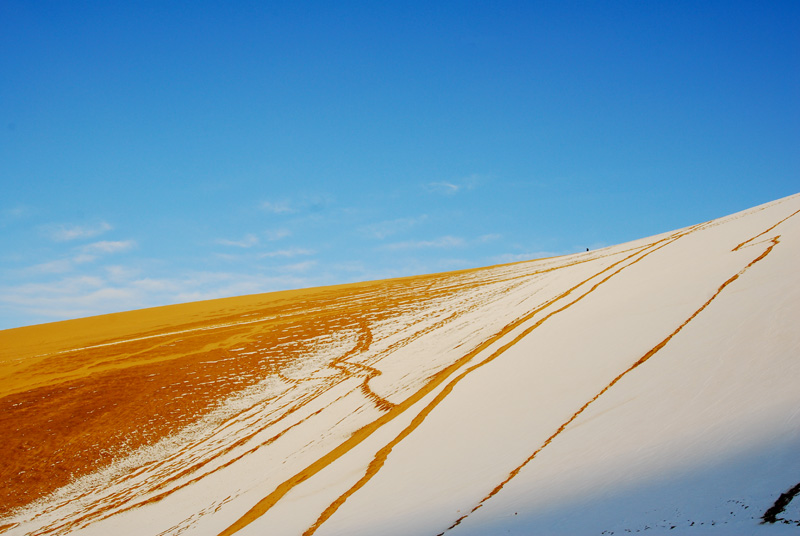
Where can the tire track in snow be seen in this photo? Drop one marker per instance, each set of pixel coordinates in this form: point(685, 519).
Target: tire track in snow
point(773, 242)
point(737, 248)
point(436, 380)
point(380, 458)
point(155, 480)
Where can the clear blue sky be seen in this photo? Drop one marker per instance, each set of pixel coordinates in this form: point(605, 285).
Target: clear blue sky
point(161, 152)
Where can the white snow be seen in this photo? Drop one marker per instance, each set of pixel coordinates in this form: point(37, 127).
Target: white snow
point(540, 420)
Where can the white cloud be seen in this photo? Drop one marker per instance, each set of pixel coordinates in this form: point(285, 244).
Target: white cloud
point(277, 207)
point(107, 246)
point(292, 252)
point(443, 242)
point(84, 258)
point(40, 295)
point(451, 188)
point(446, 188)
point(60, 266)
point(212, 285)
point(65, 233)
point(118, 290)
point(70, 298)
point(85, 254)
point(248, 241)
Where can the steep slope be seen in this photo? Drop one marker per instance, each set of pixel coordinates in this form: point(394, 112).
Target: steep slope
point(647, 386)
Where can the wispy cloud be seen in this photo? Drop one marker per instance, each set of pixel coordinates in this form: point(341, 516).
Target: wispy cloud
point(81, 255)
point(61, 266)
point(291, 252)
point(446, 188)
point(84, 258)
point(66, 298)
point(107, 246)
point(120, 288)
point(248, 241)
point(277, 207)
point(387, 228)
point(443, 242)
point(66, 233)
point(452, 187)
point(305, 203)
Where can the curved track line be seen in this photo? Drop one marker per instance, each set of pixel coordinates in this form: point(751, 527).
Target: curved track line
point(774, 242)
point(380, 458)
point(765, 232)
point(341, 363)
point(161, 474)
point(436, 380)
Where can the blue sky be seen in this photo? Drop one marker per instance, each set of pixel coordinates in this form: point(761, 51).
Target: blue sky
point(162, 152)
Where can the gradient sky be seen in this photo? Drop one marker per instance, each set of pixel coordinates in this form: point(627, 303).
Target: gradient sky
point(162, 152)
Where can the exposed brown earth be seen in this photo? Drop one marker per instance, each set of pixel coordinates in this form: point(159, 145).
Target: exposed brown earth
point(76, 395)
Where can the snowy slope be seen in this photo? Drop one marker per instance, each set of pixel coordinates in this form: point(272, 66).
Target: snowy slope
point(650, 386)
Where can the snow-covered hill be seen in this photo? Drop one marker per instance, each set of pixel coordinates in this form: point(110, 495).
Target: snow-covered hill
point(648, 387)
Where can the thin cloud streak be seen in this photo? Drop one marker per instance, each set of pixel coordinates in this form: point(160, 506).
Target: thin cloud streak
point(446, 188)
point(248, 241)
point(452, 188)
point(107, 246)
point(87, 254)
point(64, 233)
point(79, 296)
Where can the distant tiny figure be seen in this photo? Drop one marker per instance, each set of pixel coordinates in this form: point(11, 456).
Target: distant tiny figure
point(587, 249)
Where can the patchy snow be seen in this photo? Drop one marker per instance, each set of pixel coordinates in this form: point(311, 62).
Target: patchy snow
point(649, 387)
